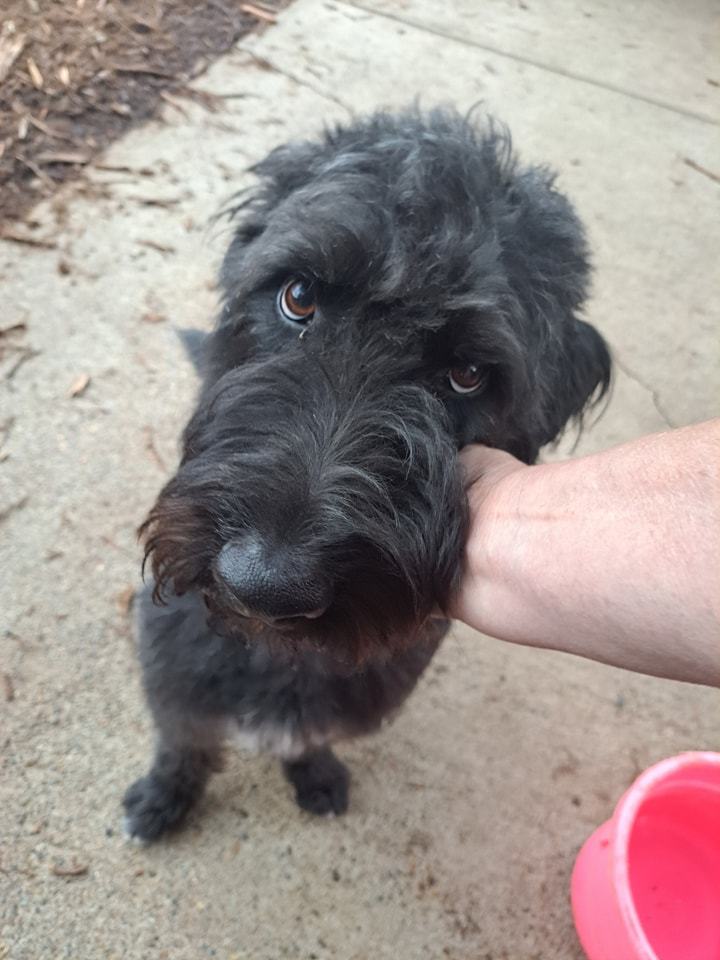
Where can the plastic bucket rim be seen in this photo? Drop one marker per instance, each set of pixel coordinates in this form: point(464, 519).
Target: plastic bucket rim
point(625, 815)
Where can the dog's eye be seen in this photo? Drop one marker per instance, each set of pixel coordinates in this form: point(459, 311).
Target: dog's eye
point(466, 379)
point(296, 300)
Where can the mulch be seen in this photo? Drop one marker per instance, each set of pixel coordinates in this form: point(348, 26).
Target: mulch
point(77, 74)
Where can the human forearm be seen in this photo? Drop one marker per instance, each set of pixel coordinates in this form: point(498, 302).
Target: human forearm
point(614, 556)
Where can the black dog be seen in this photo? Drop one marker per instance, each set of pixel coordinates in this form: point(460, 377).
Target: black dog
point(393, 291)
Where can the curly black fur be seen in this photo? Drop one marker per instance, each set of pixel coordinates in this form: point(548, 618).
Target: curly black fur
point(320, 471)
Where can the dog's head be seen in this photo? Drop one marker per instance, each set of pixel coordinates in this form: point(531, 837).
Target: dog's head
point(393, 292)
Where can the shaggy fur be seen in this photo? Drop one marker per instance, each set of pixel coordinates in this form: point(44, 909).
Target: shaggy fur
point(318, 513)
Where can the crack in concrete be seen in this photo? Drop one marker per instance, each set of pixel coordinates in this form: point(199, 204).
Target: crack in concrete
point(301, 82)
point(654, 394)
point(539, 64)
point(13, 507)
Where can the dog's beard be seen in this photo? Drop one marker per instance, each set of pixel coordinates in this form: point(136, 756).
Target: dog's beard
point(376, 608)
point(366, 480)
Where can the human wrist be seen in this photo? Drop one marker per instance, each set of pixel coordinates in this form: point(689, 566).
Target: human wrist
point(497, 552)
point(522, 577)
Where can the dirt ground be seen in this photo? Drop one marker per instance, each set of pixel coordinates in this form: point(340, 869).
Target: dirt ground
point(76, 75)
point(467, 813)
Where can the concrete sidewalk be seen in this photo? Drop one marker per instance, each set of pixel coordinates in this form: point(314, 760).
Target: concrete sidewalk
point(467, 813)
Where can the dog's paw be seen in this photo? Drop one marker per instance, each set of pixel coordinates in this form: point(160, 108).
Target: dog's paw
point(152, 807)
point(321, 782)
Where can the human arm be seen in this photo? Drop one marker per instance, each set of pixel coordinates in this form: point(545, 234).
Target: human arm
point(613, 556)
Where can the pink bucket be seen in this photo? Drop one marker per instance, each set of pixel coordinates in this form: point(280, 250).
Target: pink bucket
point(646, 884)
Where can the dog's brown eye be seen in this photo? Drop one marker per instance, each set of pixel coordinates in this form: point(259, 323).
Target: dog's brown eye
point(297, 300)
point(466, 379)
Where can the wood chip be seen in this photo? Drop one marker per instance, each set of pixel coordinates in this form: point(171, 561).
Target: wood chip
point(10, 49)
point(262, 62)
point(16, 236)
point(13, 508)
point(140, 68)
point(64, 76)
point(151, 317)
point(9, 688)
point(59, 157)
point(35, 75)
point(258, 12)
point(154, 245)
point(13, 328)
point(152, 449)
point(157, 201)
point(48, 130)
point(72, 870)
point(24, 354)
point(124, 600)
point(175, 102)
point(123, 168)
point(700, 169)
point(79, 385)
point(43, 177)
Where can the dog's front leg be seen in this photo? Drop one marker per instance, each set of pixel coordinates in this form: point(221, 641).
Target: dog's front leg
point(186, 755)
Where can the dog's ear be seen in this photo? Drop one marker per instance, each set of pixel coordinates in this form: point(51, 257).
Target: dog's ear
point(581, 379)
point(548, 267)
point(195, 344)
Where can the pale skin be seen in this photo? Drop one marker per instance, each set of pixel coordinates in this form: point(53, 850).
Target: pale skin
point(614, 556)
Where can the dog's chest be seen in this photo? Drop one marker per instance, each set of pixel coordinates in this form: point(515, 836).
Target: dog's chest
point(286, 740)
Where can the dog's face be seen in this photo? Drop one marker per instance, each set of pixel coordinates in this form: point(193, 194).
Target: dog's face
point(392, 293)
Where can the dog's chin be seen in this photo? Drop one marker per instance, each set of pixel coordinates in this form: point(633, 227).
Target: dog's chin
point(336, 635)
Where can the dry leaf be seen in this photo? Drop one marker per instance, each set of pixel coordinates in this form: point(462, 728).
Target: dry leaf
point(73, 870)
point(35, 75)
point(79, 385)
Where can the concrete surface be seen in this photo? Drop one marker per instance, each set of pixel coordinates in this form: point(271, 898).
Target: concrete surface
point(467, 813)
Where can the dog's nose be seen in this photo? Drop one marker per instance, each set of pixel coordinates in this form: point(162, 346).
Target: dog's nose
point(272, 583)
